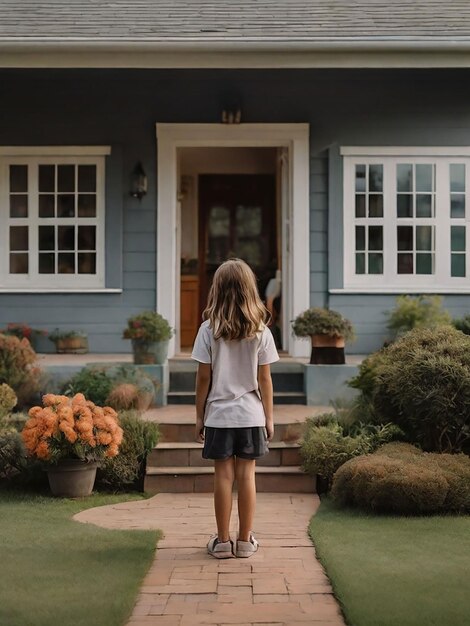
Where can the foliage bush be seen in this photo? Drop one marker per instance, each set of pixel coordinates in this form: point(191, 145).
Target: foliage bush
point(12, 451)
point(422, 311)
point(462, 324)
point(17, 367)
point(93, 382)
point(422, 383)
point(402, 480)
point(8, 399)
point(317, 321)
point(330, 440)
point(97, 383)
point(148, 327)
point(128, 468)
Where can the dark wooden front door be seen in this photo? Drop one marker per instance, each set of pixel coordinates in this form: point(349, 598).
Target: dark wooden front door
point(237, 218)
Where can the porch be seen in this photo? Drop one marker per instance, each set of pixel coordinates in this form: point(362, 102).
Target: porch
point(295, 381)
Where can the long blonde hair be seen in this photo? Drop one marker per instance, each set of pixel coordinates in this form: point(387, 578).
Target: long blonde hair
point(234, 308)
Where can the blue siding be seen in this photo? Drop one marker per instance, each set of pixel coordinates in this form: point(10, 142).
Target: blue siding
point(120, 108)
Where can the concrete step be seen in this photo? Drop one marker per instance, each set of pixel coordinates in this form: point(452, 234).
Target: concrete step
point(189, 455)
point(201, 480)
point(185, 381)
point(184, 433)
point(280, 397)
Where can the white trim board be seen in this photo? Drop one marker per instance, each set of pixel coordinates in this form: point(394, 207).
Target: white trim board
point(405, 151)
point(295, 227)
point(43, 151)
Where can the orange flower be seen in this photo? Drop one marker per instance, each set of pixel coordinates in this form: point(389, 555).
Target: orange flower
point(51, 399)
point(42, 450)
point(110, 412)
point(35, 411)
point(112, 450)
point(77, 419)
point(104, 438)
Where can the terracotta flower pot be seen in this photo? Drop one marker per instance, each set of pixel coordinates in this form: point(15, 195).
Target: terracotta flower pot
point(326, 341)
point(72, 478)
point(72, 345)
point(327, 350)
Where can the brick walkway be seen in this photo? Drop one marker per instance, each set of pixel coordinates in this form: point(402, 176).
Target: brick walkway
point(282, 585)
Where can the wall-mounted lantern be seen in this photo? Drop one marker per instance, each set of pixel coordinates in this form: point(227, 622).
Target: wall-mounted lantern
point(138, 182)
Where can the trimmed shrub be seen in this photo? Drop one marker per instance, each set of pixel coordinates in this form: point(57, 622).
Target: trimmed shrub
point(456, 470)
point(330, 440)
point(17, 369)
point(398, 449)
point(397, 479)
point(128, 467)
point(422, 383)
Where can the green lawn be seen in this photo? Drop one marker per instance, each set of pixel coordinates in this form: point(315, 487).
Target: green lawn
point(396, 571)
point(55, 571)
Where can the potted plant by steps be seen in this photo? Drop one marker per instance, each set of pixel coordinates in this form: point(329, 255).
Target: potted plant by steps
point(69, 341)
point(71, 435)
point(36, 337)
point(328, 331)
point(150, 334)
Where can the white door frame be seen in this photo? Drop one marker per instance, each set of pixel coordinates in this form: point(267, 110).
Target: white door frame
point(295, 221)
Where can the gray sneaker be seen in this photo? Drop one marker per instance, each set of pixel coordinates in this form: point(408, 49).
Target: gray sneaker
point(246, 548)
point(220, 549)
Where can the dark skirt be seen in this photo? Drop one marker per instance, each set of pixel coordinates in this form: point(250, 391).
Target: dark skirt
point(245, 443)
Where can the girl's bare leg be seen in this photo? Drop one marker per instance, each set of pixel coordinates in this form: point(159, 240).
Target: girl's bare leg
point(245, 475)
point(223, 485)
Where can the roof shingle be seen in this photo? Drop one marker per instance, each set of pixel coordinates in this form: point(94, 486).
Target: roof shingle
point(234, 20)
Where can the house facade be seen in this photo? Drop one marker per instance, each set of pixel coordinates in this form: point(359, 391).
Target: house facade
point(328, 145)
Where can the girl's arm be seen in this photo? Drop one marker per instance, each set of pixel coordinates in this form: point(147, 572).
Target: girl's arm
point(266, 390)
point(203, 383)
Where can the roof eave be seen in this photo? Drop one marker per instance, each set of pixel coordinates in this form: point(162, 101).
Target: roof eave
point(234, 53)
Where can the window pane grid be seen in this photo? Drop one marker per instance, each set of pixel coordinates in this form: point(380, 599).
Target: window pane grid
point(416, 246)
point(51, 220)
point(67, 204)
point(415, 190)
point(458, 257)
point(369, 210)
point(426, 196)
point(67, 249)
point(369, 249)
point(369, 191)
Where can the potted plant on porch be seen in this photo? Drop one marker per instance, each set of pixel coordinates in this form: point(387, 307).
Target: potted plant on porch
point(328, 331)
point(71, 435)
point(69, 341)
point(150, 334)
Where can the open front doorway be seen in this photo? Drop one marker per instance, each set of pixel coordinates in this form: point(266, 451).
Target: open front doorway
point(179, 270)
point(230, 207)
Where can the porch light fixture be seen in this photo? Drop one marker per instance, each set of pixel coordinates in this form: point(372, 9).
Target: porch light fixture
point(138, 182)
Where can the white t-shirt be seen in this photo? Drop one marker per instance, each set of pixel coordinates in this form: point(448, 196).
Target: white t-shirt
point(234, 400)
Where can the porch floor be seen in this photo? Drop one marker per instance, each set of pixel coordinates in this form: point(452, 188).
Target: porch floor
point(126, 357)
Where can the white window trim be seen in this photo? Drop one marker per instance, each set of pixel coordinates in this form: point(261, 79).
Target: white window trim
point(390, 281)
point(32, 156)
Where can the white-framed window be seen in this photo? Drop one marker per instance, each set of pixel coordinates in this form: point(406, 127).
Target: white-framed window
point(52, 217)
point(406, 219)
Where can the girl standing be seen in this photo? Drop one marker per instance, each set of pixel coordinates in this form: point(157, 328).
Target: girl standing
point(234, 398)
